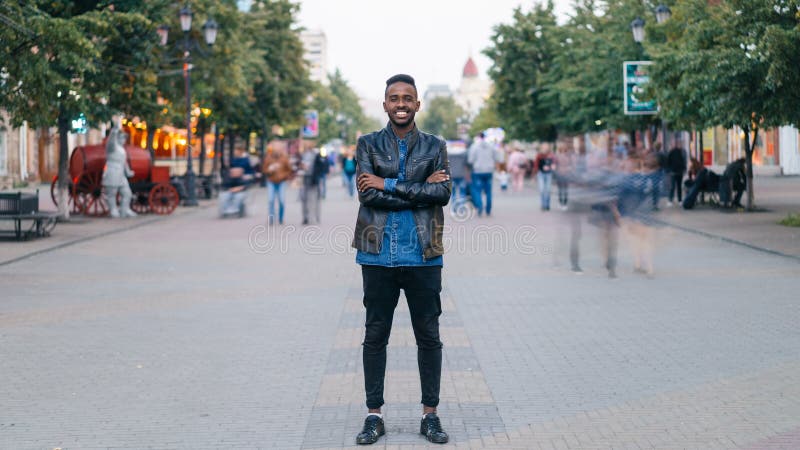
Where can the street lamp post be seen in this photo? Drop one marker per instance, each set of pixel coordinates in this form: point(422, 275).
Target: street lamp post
point(210, 34)
point(663, 14)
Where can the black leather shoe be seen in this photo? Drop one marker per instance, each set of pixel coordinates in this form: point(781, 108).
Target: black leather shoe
point(431, 427)
point(372, 431)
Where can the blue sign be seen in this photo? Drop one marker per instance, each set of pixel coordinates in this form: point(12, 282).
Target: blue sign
point(80, 125)
point(311, 124)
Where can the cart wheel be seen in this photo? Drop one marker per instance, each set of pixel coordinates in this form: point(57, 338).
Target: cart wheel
point(163, 199)
point(88, 193)
point(75, 208)
point(140, 203)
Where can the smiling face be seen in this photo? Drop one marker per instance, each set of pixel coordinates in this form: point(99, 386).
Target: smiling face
point(401, 104)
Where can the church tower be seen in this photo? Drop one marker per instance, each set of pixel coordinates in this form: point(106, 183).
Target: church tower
point(473, 91)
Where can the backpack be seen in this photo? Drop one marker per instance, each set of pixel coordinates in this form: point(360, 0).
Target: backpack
point(349, 166)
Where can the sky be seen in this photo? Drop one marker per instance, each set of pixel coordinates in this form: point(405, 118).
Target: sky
point(371, 40)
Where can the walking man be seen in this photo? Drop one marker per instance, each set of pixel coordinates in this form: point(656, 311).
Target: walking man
point(483, 158)
point(403, 183)
point(676, 163)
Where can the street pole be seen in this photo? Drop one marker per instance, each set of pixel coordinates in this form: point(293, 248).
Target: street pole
point(191, 194)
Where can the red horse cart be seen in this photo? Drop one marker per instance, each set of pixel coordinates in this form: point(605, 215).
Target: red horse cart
point(153, 191)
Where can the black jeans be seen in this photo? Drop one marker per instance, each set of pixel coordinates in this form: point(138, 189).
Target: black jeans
point(676, 184)
point(422, 286)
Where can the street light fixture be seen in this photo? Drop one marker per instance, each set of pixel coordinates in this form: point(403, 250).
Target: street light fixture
point(186, 18)
point(210, 34)
point(637, 27)
point(210, 31)
point(663, 13)
point(163, 34)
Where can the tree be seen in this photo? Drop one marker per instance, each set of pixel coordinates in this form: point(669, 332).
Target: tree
point(440, 117)
point(281, 83)
point(340, 112)
point(736, 74)
point(522, 54)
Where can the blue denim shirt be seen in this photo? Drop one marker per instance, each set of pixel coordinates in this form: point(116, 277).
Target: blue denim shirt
point(401, 246)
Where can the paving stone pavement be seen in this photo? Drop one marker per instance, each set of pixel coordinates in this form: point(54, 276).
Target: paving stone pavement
point(208, 333)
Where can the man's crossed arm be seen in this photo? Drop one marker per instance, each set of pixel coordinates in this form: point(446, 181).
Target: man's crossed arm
point(397, 195)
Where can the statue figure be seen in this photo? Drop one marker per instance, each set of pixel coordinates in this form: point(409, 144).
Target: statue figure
point(116, 173)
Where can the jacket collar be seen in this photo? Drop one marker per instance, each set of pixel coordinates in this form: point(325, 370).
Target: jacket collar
point(411, 137)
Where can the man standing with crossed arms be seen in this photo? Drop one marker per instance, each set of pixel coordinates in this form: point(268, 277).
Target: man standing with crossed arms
point(403, 183)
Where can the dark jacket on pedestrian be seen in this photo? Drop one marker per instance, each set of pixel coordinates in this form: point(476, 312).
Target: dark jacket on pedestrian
point(458, 165)
point(735, 172)
point(676, 160)
point(378, 153)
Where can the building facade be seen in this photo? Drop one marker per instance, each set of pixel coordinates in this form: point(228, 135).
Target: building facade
point(777, 150)
point(30, 156)
point(437, 91)
point(315, 44)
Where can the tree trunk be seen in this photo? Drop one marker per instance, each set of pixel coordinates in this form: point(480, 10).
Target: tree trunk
point(215, 161)
point(700, 156)
point(231, 144)
point(151, 135)
point(201, 159)
point(262, 144)
point(748, 154)
point(63, 166)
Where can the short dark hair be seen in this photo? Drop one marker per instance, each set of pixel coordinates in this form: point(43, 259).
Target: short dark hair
point(400, 78)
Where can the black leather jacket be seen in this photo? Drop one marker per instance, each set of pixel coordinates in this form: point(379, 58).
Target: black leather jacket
point(378, 153)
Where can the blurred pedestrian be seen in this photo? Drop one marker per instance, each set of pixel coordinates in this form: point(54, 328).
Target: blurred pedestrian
point(734, 178)
point(349, 171)
point(232, 197)
point(313, 167)
point(604, 212)
point(278, 171)
point(545, 165)
point(517, 166)
point(458, 175)
point(324, 169)
point(636, 209)
point(563, 166)
point(483, 158)
point(676, 165)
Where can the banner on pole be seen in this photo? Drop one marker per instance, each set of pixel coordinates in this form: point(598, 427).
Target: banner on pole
point(311, 124)
point(635, 76)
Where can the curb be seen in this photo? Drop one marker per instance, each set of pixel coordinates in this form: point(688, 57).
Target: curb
point(97, 236)
point(728, 240)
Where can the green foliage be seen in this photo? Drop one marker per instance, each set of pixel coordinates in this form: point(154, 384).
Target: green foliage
point(440, 117)
point(340, 113)
point(730, 63)
point(522, 55)
point(486, 118)
point(46, 61)
point(280, 77)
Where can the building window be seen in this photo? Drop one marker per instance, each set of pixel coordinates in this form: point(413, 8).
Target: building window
point(3, 151)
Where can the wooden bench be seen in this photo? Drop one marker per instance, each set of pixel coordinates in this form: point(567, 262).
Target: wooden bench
point(23, 208)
